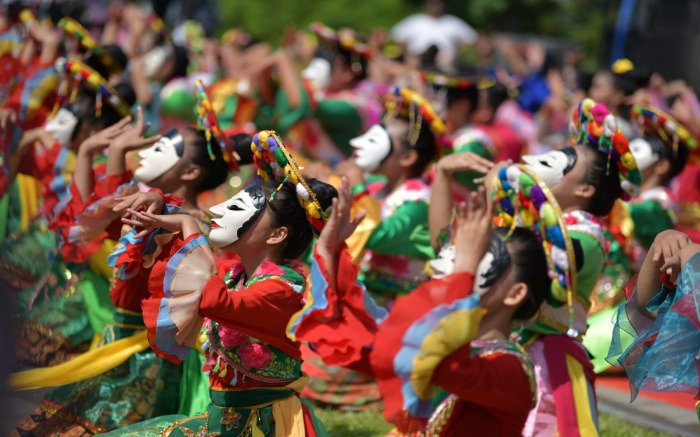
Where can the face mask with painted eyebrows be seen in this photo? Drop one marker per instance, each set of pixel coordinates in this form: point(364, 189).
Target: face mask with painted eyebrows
point(236, 215)
point(552, 166)
point(643, 153)
point(372, 148)
point(62, 126)
point(160, 157)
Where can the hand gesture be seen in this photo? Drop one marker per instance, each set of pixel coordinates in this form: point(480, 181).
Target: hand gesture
point(464, 161)
point(473, 235)
point(132, 138)
point(666, 251)
point(152, 202)
point(149, 222)
point(103, 138)
point(8, 119)
point(339, 226)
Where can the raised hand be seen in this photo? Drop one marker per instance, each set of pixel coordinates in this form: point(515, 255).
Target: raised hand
point(132, 138)
point(339, 226)
point(473, 234)
point(464, 161)
point(666, 251)
point(151, 202)
point(173, 222)
point(103, 138)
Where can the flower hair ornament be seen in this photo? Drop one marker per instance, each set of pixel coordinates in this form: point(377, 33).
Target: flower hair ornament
point(656, 122)
point(74, 30)
point(92, 80)
point(525, 201)
point(276, 164)
point(207, 122)
point(594, 126)
point(404, 102)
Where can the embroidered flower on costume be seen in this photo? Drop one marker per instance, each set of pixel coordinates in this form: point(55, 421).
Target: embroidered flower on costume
point(231, 338)
point(230, 418)
point(414, 185)
point(254, 355)
point(201, 432)
point(236, 269)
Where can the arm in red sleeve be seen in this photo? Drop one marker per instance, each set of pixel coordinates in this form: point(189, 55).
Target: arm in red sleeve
point(261, 311)
point(495, 381)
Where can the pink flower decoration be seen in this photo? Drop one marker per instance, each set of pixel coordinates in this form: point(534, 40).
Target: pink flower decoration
point(254, 355)
point(570, 220)
point(269, 268)
point(414, 185)
point(599, 112)
point(236, 269)
point(231, 338)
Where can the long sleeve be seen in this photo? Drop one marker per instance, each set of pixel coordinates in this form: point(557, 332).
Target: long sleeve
point(81, 227)
point(495, 381)
point(404, 233)
point(423, 328)
point(261, 311)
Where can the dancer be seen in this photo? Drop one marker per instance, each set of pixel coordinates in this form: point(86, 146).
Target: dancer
point(254, 370)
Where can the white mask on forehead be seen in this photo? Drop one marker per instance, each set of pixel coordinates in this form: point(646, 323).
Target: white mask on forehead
point(62, 126)
point(372, 148)
point(551, 167)
point(160, 157)
point(444, 264)
point(643, 153)
point(235, 215)
point(154, 60)
point(318, 72)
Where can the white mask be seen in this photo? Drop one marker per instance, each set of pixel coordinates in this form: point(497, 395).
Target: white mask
point(552, 166)
point(318, 72)
point(444, 264)
point(235, 215)
point(643, 153)
point(372, 148)
point(160, 157)
point(154, 60)
point(62, 126)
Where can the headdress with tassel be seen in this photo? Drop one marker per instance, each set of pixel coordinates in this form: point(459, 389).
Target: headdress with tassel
point(207, 122)
point(276, 164)
point(654, 121)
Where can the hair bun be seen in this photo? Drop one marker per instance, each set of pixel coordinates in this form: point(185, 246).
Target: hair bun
point(241, 146)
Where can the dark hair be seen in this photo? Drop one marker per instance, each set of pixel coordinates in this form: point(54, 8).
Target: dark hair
point(496, 95)
point(112, 50)
point(241, 144)
point(424, 145)
point(529, 262)
point(181, 62)
point(357, 63)
point(632, 80)
point(470, 94)
point(285, 210)
point(665, 151)
point(216, 170)
point(605, 179)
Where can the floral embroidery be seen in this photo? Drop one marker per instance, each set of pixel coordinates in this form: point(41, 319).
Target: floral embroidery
point(231, 338)
point(201, 432)
point(230, 418)
point(254, 356)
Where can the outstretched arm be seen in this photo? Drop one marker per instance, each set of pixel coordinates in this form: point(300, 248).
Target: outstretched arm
point(129, 139)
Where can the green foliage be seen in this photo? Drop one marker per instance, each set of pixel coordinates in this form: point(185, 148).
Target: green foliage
point(371, 424)
point(585, 22)
point(267, 19)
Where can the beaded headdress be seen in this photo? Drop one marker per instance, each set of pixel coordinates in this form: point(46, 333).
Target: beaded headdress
point(525, 201)
point(344, 42)
point(73, 29)
point(404, 102)
point(79, 73)
point(441, 79)
point(656, 122)
point(594, 126)
point(276, 164)
point(207, 122)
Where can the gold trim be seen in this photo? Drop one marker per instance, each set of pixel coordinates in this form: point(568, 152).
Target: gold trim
point(219, 389)
point(129, 312)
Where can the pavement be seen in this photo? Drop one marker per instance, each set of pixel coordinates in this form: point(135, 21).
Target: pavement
point(648, 412)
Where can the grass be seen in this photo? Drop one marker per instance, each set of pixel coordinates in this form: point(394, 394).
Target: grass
point(372, 424)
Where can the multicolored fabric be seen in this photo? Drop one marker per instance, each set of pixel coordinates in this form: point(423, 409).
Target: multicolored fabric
point(398, 247)
point(661, 355)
